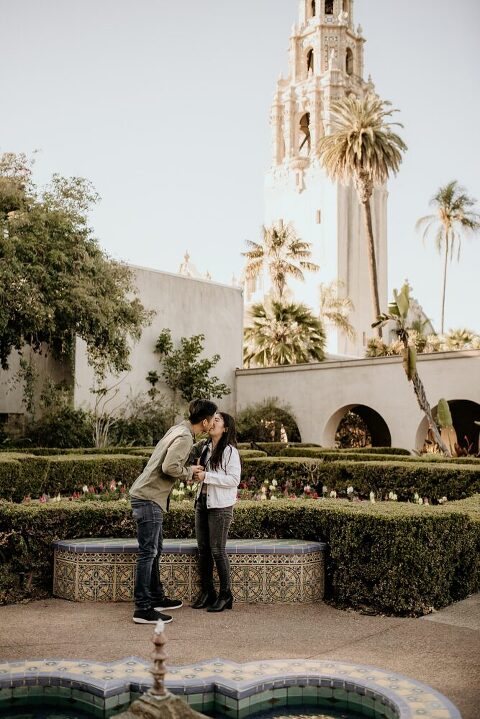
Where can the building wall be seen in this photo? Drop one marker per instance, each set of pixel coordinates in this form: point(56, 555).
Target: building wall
point(330, 218)
point(45, 368)
point(320, 394)
point(187, 307)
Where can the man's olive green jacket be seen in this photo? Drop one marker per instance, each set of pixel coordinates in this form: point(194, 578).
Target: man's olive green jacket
point(165, 466)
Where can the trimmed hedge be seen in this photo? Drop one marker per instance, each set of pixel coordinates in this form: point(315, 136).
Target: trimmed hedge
point(50, 451)
point(24, 475)
point(274, 449)
point(405, 479)
point(376, 450)
point(332, 455)
point(392, 558)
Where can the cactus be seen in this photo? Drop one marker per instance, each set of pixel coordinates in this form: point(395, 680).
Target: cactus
point(409, 361)
point(445, 422)
point(444, 416)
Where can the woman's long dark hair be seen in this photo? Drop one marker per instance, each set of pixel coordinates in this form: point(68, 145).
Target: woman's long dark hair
point(229, 437)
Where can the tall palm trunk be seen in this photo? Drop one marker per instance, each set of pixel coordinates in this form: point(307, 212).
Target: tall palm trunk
point(444, 281)
point(372, 262)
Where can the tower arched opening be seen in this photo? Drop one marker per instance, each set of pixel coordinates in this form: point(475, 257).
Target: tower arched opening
point(328, 7)
point(310, 61)
point(349, 61)
point(305, 137)
point(346, 6)
point(312, 8)
point(357, 425)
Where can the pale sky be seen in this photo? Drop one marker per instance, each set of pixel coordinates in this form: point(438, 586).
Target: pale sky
point(164, 106)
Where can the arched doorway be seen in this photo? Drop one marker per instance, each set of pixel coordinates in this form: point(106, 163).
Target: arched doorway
point(349, 62)
point(367, 428)
point(465, 413)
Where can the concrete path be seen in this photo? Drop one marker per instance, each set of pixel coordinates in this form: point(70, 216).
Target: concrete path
point(442, 650)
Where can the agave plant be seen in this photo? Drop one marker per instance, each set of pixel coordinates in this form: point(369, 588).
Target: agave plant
point(445, 422)
point(398, 312)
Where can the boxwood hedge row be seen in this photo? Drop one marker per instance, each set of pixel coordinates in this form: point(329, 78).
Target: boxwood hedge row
point(26, 475)
point(390, 558)
point(332, 455)
point(405, 479)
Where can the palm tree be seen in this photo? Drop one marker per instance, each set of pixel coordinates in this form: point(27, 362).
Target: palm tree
point(282, 253)
point(362, 147)
point(398, 313)
point(451, 220)
point(282, 334)
point(335, 309)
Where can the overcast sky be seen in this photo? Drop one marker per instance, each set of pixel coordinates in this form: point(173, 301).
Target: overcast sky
point(164, 106)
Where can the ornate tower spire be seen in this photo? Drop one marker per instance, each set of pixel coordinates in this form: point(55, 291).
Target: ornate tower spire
point(325, 63)
point(325, 59)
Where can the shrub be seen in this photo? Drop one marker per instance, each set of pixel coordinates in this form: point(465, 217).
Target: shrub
point(376, 450)
point(404, 478)
point(338, 455)
point(395, 559)
point(263, 422)
point(66, 428)
point(26, 475)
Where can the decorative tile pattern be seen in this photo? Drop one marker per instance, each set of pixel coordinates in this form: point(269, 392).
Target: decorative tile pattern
point(268, 572)
point(221, 684)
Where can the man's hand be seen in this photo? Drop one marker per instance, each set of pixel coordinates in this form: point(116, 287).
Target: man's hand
point(196, 469)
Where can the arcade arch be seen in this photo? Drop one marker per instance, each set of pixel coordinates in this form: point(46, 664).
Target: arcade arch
point(465, 413)
point(377, 427)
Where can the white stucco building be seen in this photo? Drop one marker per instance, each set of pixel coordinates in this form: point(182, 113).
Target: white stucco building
point(325, 64)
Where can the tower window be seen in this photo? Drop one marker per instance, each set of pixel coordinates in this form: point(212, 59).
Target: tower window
point(305, 140)
point(328, 7)
point(349, 62)
point(310, 61)
point(346, 6)
point(313, 8)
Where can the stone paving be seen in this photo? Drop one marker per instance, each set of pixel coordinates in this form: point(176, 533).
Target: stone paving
point(442, 650)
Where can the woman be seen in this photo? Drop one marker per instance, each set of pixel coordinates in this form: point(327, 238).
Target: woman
point(218, 474)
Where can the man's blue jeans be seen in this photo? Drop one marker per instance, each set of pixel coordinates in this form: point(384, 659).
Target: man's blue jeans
point(148, 587)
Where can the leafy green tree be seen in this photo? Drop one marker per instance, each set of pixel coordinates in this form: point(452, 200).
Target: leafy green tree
point(266, 421)
point(282, 334)
point(398, 313)
point(282, 254)
point(184, 372)
point(363, 148)
point(452, 219)
point(55, 281)
point(335, 309)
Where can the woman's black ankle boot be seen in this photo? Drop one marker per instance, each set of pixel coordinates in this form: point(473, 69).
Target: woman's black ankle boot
point(224, 601)
point(205, 599)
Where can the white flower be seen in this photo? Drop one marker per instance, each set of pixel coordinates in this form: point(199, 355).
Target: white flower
point(85, 489)
point(350, 490)
point(372, 497)
point(273, 497)
point(272, 488)
point(119, 484)
point(263, 496)
point(393, 496)
point(263, 489)
point(324, 489)
point(420, 500)
point(182, 485)
point(175, 492)
point(333, 494)
point(415, 497)
point(274, 482)
point(442, 500)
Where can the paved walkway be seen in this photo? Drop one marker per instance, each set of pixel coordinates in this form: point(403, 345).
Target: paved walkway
point(442, 650)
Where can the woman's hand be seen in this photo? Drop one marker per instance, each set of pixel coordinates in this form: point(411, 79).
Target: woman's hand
point(198, 470)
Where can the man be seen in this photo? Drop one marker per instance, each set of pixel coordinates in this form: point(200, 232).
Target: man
point(150, 495)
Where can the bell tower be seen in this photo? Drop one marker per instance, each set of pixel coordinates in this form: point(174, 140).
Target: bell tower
point(326, 62)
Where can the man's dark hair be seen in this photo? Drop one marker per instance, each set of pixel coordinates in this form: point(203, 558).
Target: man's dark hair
point(200, 409)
